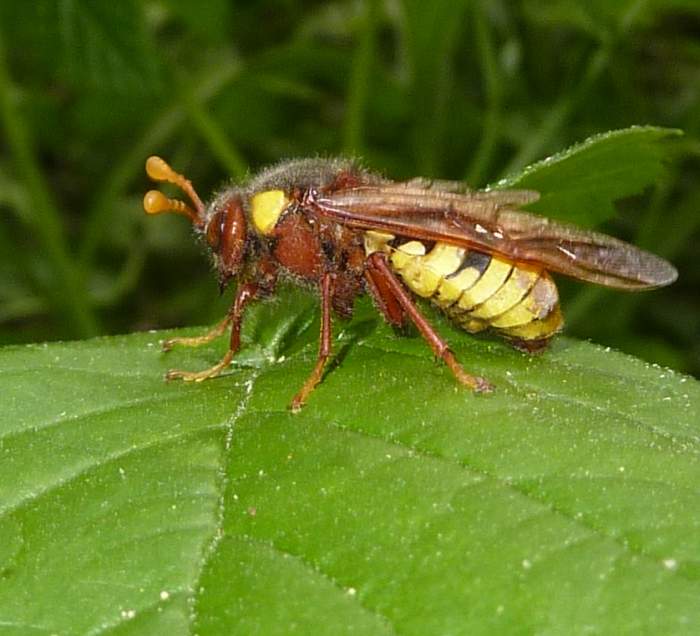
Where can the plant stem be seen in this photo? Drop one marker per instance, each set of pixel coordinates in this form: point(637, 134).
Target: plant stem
point(213, 134)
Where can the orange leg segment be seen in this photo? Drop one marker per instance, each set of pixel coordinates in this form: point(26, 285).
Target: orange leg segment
point(196, 341)
point(386, 302)
point(244, 294)
point(324, 350)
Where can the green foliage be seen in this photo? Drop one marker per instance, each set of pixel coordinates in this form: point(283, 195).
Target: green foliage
point(582, 183)
point(395, 502)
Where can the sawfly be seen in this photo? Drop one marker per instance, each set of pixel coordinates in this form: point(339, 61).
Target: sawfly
point(343, 230)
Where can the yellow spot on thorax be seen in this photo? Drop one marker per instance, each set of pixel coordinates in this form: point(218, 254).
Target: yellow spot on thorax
point(266, 209)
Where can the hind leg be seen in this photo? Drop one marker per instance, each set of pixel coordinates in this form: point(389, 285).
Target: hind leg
point(385, 301)
point(377, 264)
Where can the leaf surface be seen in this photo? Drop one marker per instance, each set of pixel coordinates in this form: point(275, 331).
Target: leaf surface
point(394, 503)
point(582, 183)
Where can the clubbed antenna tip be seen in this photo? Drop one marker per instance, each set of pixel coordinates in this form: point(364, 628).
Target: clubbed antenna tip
point(156, 202)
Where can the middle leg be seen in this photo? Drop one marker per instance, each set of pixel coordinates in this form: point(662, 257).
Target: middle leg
point(324, 349)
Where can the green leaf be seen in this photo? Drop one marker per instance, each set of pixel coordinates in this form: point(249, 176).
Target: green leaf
point(395, 503)
point(581, 184)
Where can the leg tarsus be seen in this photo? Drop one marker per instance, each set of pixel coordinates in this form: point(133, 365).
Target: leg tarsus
point(198, 376)
point(196, 341)
point(474, 382)
point(310, 384)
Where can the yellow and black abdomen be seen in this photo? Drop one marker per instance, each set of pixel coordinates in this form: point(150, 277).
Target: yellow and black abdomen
point(477, 290)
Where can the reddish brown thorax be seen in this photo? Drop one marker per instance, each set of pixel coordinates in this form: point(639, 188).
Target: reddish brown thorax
point(297, 247)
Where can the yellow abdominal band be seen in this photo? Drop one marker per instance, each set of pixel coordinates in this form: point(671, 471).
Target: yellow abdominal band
point(475, 289)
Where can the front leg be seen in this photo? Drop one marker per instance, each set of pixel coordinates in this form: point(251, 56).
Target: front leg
point(197, 341)
point(244, 294)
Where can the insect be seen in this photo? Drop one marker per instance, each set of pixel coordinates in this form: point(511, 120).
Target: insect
point(343, 230)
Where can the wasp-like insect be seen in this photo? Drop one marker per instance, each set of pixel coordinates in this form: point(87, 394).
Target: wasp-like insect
point(344, 230)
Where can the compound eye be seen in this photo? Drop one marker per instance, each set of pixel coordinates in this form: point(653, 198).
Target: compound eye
point(266, 208)
point(214, 229)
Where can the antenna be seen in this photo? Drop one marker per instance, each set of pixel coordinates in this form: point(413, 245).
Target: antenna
point(156, 202)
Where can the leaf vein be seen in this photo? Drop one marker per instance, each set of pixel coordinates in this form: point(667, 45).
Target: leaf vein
point(317, 571)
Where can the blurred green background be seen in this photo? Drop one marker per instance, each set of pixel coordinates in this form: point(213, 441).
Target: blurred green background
point(463, 89)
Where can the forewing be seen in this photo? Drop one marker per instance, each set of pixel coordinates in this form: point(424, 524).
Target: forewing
point(489, 221)
point(437, 186)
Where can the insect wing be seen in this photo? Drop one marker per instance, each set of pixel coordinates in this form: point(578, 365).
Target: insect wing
point(489, 221)
point(500, 197)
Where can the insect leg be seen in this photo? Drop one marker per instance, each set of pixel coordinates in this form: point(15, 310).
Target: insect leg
point(217, 331)
point(379, 267)
point(385, 300)
point(324, 350)
point(244, 294)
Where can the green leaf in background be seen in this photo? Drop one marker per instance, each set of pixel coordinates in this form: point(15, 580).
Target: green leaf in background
point(395, 503)
point(582, 183)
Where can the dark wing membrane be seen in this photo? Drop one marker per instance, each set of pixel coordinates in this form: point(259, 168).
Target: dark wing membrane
point(488, 221)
